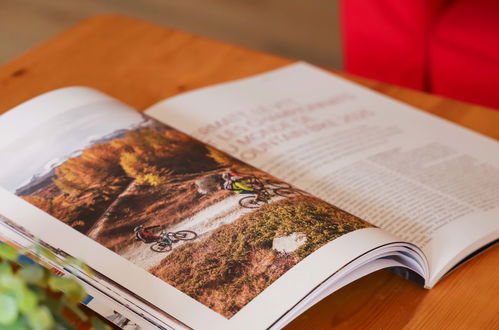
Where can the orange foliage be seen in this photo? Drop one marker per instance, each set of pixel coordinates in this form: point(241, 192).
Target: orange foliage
point(86, 185)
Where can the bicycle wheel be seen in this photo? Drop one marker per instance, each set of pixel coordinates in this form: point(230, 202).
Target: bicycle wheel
point(251, 202)
point(185, 235)
point(161, 247)
point(277, 184)
point(287, 192)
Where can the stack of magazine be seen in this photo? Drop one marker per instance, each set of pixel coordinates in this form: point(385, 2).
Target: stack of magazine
point(242, 204)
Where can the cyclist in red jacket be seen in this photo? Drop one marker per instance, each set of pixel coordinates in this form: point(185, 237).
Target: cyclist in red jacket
point(144, 234)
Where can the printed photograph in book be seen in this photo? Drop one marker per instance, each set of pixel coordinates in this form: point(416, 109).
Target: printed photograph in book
point(213, 227)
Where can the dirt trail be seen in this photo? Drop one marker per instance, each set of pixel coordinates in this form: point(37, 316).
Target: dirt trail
point(101, 223)
point(201, 223)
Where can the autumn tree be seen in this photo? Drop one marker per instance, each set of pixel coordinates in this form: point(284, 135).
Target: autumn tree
point(97, 168)
point(143, 169)
point(42, 203)
point(223, 158)
point(63, 207)
point(147, 155)
point(154, 155)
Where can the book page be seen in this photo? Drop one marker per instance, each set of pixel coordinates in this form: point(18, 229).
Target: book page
point(423, 179)
point(208, 239)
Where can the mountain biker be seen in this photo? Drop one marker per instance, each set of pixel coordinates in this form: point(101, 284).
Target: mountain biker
point(144, 234)
point(234, 181)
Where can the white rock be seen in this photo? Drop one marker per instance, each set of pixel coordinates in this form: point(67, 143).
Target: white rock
point(290, 243)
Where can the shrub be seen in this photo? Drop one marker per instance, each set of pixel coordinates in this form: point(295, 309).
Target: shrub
point(230, 267)
point(32, 297)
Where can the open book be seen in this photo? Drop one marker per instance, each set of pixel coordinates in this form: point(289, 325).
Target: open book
point(243, 204)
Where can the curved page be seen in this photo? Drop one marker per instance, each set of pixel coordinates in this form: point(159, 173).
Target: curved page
point(424, 179)
point(208, 239)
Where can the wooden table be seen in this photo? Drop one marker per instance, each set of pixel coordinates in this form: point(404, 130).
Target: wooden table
point(141, 63)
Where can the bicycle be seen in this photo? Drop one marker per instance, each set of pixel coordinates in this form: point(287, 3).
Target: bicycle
point(264, 195)
point(255, 201)
point(166, 240)
point(276, 184)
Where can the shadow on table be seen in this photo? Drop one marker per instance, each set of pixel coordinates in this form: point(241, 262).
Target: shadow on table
point(383, 298)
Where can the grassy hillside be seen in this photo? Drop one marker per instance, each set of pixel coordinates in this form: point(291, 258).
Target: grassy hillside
point(236, 262)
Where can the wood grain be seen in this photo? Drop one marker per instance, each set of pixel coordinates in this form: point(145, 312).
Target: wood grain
point(141, 63)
